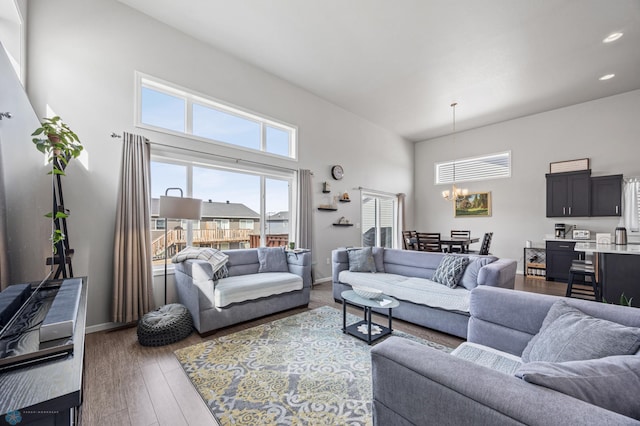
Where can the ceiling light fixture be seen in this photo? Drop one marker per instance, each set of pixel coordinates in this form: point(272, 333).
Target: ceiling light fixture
point(612, 37)
point(455, 193)
point(606, 77)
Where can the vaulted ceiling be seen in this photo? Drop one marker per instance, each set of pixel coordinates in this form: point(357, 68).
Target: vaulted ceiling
point(401, 63)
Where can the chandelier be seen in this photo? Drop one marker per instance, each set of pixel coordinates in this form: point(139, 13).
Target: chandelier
point(455, 193)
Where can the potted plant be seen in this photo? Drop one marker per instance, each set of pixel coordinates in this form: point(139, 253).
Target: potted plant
point(60, 144)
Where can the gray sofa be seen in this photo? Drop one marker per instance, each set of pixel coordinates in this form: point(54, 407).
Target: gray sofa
point(246, 294)
point(406, 274)
point(415, 385)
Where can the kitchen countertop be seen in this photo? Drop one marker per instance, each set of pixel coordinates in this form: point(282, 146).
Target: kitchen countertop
point(591, 247)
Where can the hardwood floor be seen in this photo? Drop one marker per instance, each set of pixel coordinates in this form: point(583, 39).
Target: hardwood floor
point(128, 384)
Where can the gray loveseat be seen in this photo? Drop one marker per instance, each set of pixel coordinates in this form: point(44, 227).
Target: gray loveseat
point(406, 275)
point(416, 385)
point(246, 293)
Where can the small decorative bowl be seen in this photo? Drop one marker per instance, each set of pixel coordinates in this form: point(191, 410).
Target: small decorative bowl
point(367, 292)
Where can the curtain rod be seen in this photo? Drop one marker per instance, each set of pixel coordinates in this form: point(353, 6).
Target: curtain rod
point(226, 157)
point(376, 191)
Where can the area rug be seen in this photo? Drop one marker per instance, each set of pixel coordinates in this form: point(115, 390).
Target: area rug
point(299, 370)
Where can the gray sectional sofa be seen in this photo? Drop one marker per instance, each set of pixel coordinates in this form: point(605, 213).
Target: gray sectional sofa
point(415, 385)
point(406, 275)
point(246, 293)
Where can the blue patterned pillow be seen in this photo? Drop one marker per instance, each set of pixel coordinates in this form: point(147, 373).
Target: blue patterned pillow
point(450, 270)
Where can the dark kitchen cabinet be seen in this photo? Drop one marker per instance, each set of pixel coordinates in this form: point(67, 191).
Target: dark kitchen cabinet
point(618, 274)
point(606, 195)
point(559, 254)
point(569, 194)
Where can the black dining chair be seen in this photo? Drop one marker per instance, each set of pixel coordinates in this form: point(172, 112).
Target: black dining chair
point(409, 240)
point(486, 243)
point(459, 234)
point(429, 241)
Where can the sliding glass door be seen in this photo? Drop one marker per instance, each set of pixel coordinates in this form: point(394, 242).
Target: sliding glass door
point(379, 214)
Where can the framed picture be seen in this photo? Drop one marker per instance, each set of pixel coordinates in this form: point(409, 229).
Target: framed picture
point(477, 204)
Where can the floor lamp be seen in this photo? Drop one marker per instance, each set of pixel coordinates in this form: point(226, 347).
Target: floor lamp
point(176, 208)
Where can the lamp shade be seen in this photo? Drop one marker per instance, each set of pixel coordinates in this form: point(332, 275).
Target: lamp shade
point(180, 208)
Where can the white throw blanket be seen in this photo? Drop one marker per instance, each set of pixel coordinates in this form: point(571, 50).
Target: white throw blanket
point(216, 258)
point(416, 290)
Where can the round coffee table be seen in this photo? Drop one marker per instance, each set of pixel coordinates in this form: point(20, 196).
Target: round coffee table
point(365, 329)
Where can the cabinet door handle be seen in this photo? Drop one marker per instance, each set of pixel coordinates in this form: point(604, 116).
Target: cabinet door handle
point(617, 209)
point(564, 211)
point(569, 211)
point(563, 246)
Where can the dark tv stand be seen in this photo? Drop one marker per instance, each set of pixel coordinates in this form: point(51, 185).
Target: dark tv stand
point(48, 392)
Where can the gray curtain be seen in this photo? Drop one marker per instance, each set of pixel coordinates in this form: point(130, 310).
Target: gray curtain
point(5, 276)
point(132, 268)
point(304, 238)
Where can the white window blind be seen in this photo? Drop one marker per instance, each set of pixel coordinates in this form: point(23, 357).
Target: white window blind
point(486, 167)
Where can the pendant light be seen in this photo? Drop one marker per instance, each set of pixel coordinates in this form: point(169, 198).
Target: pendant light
point(455, 193)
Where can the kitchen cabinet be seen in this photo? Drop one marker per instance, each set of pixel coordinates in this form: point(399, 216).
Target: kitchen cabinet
point(618, 274)
point(559, 255)
point(569, 194)
point(606, 195)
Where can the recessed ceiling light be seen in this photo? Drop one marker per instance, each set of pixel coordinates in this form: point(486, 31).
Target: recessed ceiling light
point(607, 77)
point(612, 37)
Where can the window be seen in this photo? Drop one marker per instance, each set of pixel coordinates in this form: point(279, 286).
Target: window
point(237, 205)
point(379, 214)
point(221, 223)
point(246, 224)
point(162, 106)
point(476, 168)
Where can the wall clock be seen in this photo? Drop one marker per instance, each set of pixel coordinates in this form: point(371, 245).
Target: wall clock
point(337, 172)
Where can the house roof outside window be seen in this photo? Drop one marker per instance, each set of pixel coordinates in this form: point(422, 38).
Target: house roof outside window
point(217, 210)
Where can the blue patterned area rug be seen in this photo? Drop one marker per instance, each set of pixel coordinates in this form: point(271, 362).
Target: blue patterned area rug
point(299, 370)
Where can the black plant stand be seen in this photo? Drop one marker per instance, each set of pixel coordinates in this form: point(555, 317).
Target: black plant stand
point(62, 253)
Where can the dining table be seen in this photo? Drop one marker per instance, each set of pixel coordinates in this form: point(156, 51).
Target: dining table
point(462, 242)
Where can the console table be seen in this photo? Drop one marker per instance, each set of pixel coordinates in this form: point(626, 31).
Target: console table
point(48, 392)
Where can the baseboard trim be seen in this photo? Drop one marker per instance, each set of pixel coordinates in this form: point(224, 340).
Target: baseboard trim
point(102, 327)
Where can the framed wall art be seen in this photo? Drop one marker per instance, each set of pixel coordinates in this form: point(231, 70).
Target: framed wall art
point(477, 204)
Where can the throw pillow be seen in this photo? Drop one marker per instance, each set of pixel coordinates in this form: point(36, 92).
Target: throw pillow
point(272, 259)
point(450, 270)
point(605, 382)
point(361, 260)
point(470, 277)
point(378, 258)
point(568, 334)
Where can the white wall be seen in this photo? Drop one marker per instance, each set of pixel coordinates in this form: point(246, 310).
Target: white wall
point(82, 57)
point(605, 131)
point(24, 179)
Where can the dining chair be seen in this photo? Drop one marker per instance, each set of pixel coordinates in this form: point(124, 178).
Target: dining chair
point(459, 234)
point(429, 241)
point(463, 234)
point(409, 240)
point(486, 242)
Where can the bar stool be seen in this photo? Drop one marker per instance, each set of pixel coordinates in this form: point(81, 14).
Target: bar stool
point(584, 269)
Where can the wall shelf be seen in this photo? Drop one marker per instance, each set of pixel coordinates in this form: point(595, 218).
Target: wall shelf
point(344, 201)
point(343, 224)
point(328, 209)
